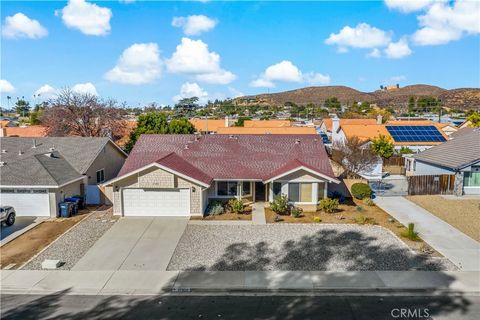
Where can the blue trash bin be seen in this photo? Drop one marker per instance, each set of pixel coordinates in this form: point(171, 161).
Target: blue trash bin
point(75, 202)
point(65, 209)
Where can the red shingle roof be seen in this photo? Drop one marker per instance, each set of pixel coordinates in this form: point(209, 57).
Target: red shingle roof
point(226, 157)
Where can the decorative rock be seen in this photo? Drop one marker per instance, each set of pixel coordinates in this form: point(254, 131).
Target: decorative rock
point(51, 264)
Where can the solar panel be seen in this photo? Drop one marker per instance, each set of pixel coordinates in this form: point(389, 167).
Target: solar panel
point(415, 134)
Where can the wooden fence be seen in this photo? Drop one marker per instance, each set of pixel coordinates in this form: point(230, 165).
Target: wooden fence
point(434, 184)
point(394, 161)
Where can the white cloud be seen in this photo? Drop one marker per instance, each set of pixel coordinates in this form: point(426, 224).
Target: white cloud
point(192, 57)
point(46, 92)
point(408, 5)
point(194, 25)
point(398, 50)
point(375, 53)
point(126, 1)
point(316, 78)
point(89, 18)
point(361, 36)
point(6, 87)
point(140, 63)
point(286, 71)
point(189, 90)
point(235, 93)
point(443, 23)
point(21, 26)
point(85, 88)
point(398, 78)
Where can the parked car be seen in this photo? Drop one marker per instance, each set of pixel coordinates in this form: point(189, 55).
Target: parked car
point(7, 215)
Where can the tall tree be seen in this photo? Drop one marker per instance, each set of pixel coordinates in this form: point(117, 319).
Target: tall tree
point(84, 115)
point(382, 146)
point(353, 156)
point(157, 123)
point(22, 107)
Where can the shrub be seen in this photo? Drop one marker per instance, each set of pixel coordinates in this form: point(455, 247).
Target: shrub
point(359, 209)
point(361, 190)
point(215, 208)
point(236, 205)
point(296, 212)
point(360, 219)
point(317, 219)
point(410, 233)
point(337, 195)
point(280, 205)
point(328, 205)
point(369, 202)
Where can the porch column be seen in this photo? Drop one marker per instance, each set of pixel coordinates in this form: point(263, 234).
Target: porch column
point(252, 185)
point(270, 188)
point(239, 190)
point(458, 184)
point(325, 191)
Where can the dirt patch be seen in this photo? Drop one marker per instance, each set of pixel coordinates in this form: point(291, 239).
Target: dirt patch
point(226, 216)
point(349, 213)
point(462, 214)
point(30, 243)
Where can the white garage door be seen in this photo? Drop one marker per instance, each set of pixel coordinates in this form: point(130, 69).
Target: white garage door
point(26, 202)
point(156, 202)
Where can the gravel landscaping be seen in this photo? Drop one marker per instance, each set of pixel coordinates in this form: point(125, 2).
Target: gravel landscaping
point(297, 247)
point(70, 247)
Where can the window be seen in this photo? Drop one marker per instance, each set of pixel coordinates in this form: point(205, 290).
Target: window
point(321, 190)
point(277, 189)
point(300, 192)
point(100, 176)
point(226, 188)
point(246, 188)
point(472, 179)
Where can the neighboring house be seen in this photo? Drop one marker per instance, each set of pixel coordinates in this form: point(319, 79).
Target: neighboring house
point(38, 173)
point(23, 131)
point(271, 130)
point(177, 175)
point(328, 124)
point(459, 156)
point(267, 123)
point(447, 128)
point(210, 125)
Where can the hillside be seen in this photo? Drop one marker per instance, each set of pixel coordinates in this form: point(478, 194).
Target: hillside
point(464, 98)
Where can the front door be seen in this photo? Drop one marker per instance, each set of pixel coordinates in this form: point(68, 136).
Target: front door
point(259, 191)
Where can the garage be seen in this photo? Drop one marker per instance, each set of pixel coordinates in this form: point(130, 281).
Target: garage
point(27, 202)
point(156, 202)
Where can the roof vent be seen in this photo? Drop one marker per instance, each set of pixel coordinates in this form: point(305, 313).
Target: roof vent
point(231, 136)
point(20, 152)
point(297, 141)
point(2, 163)
point(186, 147)
point(34, 143)
point(52, 149)
point(4, 151)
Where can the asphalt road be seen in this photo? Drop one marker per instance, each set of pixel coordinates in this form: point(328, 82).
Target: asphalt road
point(66, 307)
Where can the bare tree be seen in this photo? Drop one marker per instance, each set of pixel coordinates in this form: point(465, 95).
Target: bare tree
point(354, 156)
point(84, 115)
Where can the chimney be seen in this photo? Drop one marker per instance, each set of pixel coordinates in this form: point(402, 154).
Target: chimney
point(226, 122)
point(379, 119)
point(335, 127)
point(3, 132)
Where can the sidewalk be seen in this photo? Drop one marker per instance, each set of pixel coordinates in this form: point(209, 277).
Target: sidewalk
point(123, 282)
point(459, 248)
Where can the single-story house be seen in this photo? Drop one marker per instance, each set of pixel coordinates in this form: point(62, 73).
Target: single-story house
point(267, 130)
point(329, 125)
point(38, 173)
point(459, 156)
point(267, 123)
point(177, 175)
point(210, 125)
point(23, 131)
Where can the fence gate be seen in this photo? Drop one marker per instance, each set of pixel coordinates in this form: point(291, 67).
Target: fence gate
point(394, 185)
point(432, 184)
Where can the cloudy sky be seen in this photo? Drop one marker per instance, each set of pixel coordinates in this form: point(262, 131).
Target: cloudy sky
point(140, 52)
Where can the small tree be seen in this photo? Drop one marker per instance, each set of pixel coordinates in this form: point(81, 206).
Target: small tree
point(354, 156)
point(382, 146)
point(474, 119)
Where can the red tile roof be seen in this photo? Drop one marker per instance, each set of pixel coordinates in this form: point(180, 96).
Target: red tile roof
point(226, 157)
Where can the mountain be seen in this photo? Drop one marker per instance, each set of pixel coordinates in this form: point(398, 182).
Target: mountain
point(464, 98)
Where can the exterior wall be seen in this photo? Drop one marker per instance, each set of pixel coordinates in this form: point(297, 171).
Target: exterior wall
point(110, 159)
point(156, 178)
point(195, 195)
point(58, 195)
point(424, 169)
point(132, 182)
point(458, 185)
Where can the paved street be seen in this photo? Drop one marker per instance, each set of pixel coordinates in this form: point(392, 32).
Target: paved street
point(460, 249)
point(67, 307)
point(135, 244)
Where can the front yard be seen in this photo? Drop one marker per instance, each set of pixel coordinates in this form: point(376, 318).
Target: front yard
point(322, 247)
point(355, 212)
point(462, 214)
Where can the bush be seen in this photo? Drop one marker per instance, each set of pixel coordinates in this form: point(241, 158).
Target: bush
point(359, 209)
point(369, 202)
point(410, 233)
point(280, 205)
point(361, 191)
point(236, 205)
point(360, 219)
point(215, 208)
point(337, 195)
point(317, 219)
point(328, 205)
point(296, 212)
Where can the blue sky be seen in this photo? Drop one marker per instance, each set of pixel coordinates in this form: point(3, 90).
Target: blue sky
point(139, 53)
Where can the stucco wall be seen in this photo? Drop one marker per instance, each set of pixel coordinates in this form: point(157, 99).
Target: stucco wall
point(58, 195)
point(423, 169)
point(110, 159)
point(195, 194)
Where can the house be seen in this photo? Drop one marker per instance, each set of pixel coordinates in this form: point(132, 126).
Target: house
point(271, 130)
point(267, 123)
point(23, 131)
point(327, 124)
point(210, 125)
point(459, 156)
point(178, 175)
point(36, 174)
point(447, 128)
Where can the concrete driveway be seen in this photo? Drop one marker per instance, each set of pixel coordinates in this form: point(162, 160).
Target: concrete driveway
point(135, 244)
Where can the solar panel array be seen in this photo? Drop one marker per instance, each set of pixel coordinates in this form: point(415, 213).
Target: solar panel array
point(415, 134)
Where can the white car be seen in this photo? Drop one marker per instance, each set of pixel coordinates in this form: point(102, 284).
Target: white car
point(7, 215)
